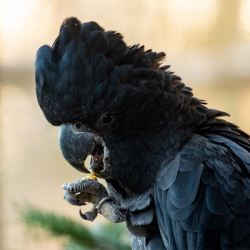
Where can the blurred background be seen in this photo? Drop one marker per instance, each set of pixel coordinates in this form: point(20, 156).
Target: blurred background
point(207, 42)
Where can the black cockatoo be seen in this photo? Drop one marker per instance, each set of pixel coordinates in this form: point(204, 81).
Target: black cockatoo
point(178, 174)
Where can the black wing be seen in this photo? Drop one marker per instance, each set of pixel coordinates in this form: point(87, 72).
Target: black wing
point(202, 197)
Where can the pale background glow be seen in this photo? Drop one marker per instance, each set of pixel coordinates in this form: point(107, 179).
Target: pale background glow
point(207, 43)
point(245, 17)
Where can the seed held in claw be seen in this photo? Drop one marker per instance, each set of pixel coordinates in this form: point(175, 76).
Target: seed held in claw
point(90, 176)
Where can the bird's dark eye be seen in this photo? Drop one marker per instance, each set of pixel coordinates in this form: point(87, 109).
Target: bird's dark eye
point(107, 118)
point(78, 125)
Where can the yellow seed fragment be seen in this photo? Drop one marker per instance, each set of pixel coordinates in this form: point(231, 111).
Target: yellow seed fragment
point(92, 176)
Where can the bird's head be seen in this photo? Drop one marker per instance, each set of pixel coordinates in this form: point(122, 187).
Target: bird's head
point(114, 103)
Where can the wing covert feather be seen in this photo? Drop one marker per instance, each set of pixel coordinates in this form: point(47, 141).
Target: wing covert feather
point(202, 196)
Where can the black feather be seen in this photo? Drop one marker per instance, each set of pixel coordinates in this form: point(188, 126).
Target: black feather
point(182, 172)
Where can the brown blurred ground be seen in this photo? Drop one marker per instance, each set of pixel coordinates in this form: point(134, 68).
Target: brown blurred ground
point(207, 43)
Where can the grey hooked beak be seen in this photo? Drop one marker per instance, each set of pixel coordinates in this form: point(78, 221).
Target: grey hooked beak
point(76, 147)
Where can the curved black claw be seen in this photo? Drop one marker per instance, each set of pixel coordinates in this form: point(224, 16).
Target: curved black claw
point(89, 215)
point(83, 216)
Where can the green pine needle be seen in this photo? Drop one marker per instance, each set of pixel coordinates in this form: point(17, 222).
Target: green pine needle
point(106, 236)
point(72, 245)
